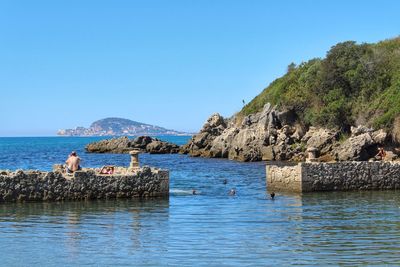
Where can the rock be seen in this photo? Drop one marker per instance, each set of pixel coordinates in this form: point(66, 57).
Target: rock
point(244, 143)
point(58, 168)
point(390, 156)
point(284, 134)
point(268, 134)
point(200, 140)
point(272, 134)
point(360, 130)
point(142, 141)
point(114, 145)
point(320, 138)
point(286, 117)
point(311, 131)
point(124, 145)
point(356, 148)
point(221, 145)
point(379, 137)
point(213, 122)
point(268, 153)
point(160, 147)
point(298, 134)
point(201, 143)
point(245, 146)
point(326, 158)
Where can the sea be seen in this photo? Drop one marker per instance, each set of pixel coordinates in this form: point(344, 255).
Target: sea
point(211, 228)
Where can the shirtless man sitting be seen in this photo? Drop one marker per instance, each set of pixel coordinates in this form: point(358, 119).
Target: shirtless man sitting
point(73, 162)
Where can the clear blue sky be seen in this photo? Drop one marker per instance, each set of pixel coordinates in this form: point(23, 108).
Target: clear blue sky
point(170, 63)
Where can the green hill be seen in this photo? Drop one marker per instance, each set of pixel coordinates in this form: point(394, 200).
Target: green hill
point(354, 84)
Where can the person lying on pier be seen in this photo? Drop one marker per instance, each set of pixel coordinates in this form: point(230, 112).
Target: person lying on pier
point(381, 154)
point(73, 163)
point(107, 170)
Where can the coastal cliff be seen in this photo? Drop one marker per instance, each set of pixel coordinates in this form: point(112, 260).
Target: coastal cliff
point(341, 107)
point(274, 135)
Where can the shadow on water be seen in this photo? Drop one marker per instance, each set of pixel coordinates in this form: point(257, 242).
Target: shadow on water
point(347, 228)
point(74, 229)
point(22, 211)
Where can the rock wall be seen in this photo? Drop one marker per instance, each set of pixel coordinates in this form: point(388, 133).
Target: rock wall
point(338, 176)
point(55, 186)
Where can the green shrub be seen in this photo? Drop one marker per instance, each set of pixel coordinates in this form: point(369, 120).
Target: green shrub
point(353, 82)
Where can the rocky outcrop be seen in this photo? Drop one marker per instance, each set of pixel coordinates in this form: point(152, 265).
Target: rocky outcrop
point(161, 147)
point(275, 135)
point(255, 137)
point(355, 148)
point(320, 138)
point(362, 145)
point(124, 145)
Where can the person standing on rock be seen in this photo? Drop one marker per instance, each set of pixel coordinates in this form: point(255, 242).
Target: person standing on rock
point(73, 162)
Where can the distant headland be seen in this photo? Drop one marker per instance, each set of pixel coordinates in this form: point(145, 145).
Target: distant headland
point(118, 127)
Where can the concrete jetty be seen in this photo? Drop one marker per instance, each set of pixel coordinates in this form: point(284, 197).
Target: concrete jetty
point(336, 176)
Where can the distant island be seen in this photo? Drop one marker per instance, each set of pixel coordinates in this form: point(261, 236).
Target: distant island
point(118, 127)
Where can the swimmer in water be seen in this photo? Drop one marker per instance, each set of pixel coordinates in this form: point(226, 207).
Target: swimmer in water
point(232, 192)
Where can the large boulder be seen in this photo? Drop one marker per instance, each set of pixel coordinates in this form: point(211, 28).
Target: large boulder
point(390, 156)
point(361, 129)
point(221, 145)
point(246, 146)
point(143, 141)
point(360, 147)
point(114, 145)
point(214, 125)
point(200, 144)
point(320, 138)
point(236, 138)
point(379, 137)
point(160, 147)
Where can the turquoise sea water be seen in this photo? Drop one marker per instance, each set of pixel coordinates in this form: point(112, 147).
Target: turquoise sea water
point(209, 229)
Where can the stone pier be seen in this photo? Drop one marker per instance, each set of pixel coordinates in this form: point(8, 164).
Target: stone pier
point(338, 176)
point(86, 184)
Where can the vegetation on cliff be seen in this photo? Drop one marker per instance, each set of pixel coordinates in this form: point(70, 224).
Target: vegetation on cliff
point(354, 84)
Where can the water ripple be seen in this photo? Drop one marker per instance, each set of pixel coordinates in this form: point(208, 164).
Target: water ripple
point(207, 229)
